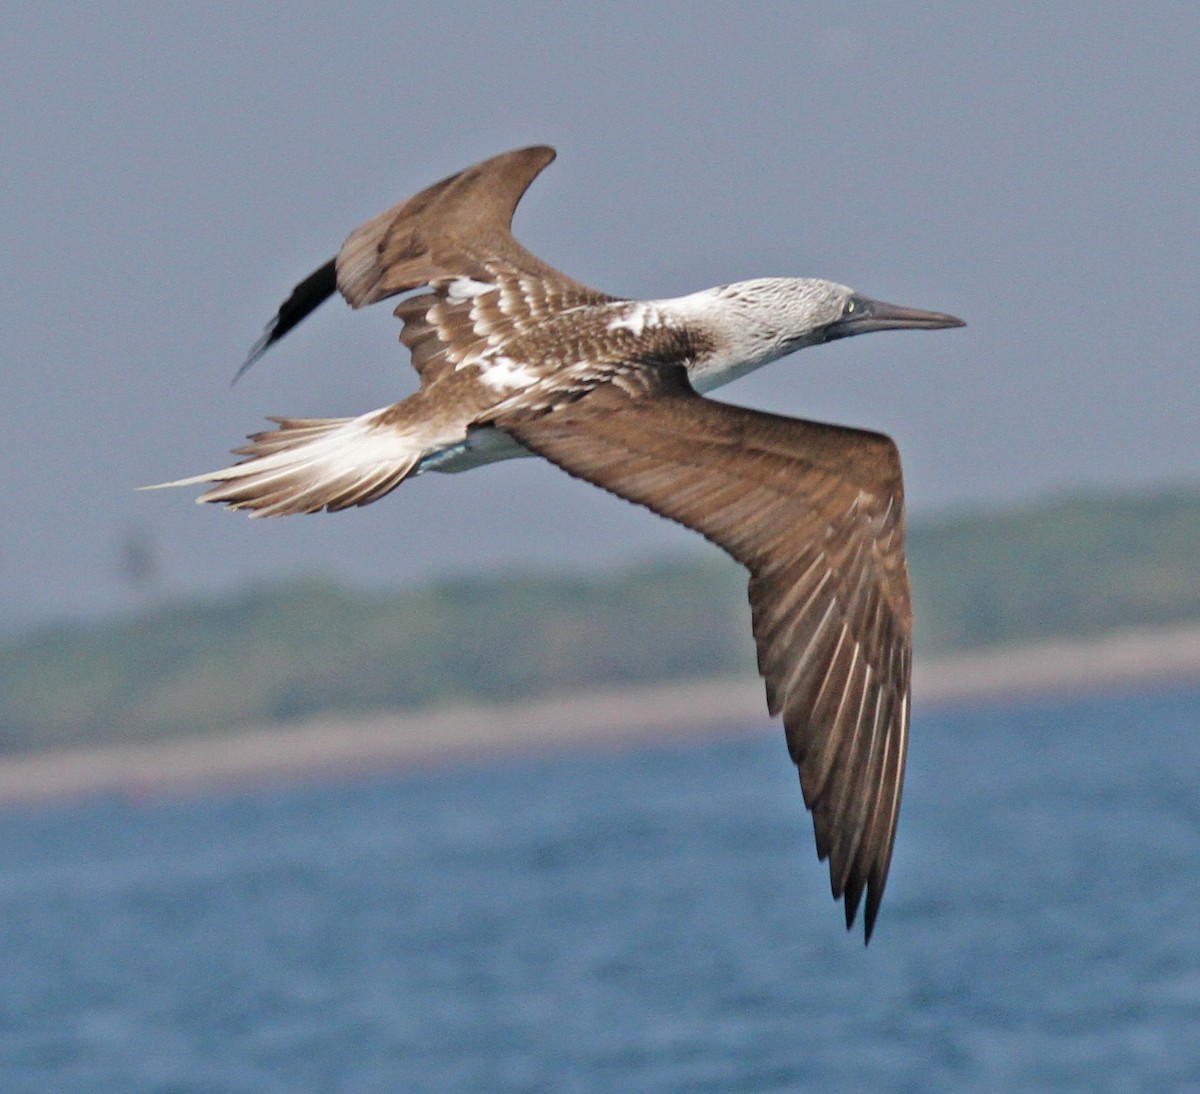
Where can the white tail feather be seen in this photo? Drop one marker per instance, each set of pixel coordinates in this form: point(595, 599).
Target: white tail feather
point(309, 464)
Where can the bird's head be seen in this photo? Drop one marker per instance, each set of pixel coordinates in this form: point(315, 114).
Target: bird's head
point(783, 314)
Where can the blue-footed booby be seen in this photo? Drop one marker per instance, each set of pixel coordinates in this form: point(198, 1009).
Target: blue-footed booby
point(516, 358)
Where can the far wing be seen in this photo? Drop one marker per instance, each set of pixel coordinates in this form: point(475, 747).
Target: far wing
point(815, 512)
point(464, 319)
point(459, 228)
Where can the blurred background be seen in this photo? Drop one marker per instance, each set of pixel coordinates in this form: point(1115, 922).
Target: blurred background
point(595, 919)
point(170, 173)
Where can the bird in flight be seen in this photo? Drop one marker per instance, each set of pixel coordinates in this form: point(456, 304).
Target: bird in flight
point(516, 358)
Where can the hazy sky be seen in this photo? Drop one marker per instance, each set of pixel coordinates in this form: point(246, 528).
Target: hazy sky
point(171, 170)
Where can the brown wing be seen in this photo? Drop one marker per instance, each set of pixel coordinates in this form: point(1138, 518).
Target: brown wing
point(459, 228)
point(444, 328)
point(815, 512)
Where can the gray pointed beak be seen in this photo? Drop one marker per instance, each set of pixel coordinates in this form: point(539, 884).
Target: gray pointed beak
point(864, 314)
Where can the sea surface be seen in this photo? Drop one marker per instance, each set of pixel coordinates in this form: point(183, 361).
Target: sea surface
point(643, 920)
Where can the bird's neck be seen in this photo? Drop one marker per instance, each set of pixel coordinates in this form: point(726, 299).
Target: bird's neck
point(731, 340)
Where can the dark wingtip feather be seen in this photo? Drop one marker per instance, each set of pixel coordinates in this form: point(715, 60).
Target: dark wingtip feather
point(305, 298)
point(852, 897)
point(874, 899)
point(257, 350)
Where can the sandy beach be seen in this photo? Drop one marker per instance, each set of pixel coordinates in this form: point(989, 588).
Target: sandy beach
point(602, 718)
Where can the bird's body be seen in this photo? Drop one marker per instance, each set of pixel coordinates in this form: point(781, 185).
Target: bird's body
point(515, 358)
point(695, 330)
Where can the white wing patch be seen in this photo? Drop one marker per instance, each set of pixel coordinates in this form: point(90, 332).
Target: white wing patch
point(504, 374)
point(462, 289)
point(636, 318)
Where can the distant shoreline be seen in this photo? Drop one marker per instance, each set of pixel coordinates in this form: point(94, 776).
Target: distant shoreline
point(611, 717)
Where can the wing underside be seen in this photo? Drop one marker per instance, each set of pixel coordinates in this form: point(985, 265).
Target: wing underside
point(815, 512)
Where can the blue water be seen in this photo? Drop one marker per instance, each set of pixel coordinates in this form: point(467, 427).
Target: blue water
point(652, 920)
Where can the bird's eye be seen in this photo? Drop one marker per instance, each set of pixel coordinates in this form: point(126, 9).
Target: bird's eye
point(851, 304)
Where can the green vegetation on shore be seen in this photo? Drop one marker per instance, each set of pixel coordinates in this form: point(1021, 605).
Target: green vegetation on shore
point(1066, 567)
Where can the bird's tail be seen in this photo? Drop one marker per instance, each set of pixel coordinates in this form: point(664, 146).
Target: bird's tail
point(305, 465)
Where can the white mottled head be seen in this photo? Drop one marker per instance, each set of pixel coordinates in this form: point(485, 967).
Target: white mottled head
point(751, 323)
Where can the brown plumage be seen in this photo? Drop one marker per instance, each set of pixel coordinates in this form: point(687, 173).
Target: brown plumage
point(516, 358)
point(816, 514)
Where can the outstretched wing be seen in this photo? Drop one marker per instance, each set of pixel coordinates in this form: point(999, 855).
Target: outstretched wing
point(816, 513)
point(463, 320)
point(459, 227)
point(457, 230)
